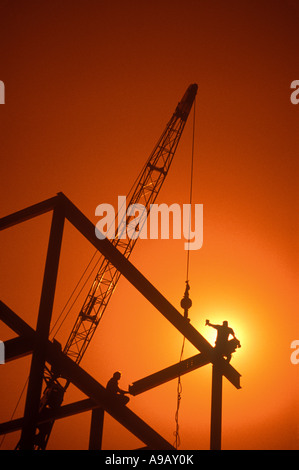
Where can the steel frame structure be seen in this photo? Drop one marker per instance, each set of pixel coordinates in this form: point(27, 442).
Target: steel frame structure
point(37, 343)
point(143, 194)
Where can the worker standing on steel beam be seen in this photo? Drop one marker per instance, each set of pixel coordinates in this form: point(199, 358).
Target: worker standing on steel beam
point(222, 344)
point(113, 388)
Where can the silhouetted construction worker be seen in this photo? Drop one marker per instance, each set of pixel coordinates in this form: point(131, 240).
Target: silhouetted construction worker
point(112, 387)
point(223, 345)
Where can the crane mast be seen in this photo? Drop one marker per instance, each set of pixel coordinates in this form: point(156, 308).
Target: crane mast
point(143, 192)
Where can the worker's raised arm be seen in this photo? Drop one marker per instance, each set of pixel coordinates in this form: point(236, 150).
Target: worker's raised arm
point(210, 324)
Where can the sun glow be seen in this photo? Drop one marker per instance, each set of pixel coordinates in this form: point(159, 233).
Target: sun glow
point(235, 321)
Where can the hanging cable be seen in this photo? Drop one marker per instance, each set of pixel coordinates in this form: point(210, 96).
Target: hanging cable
point(179, 393)
point(186, 302)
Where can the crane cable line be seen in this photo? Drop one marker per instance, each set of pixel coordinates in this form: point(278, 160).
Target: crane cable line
point(191, 188)
point(179, 384)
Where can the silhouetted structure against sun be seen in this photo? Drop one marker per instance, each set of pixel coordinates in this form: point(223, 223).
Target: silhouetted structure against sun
point(46, 353)
point(57, 367)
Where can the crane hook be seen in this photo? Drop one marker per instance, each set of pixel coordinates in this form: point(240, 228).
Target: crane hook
point(186, 302)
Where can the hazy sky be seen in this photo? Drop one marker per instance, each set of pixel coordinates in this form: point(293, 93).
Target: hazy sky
point(89, 88)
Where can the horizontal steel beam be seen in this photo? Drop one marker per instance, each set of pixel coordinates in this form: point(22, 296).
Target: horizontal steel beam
point(50, 415)
point(169, 373)
point(29, 213)
point(16, 348)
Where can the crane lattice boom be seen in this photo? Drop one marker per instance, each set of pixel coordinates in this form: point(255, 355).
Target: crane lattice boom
point(145, 193)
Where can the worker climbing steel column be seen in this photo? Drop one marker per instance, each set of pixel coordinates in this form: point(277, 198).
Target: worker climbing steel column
point(223, 345)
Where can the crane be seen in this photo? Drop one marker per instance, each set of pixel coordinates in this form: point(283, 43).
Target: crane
point(144, 191)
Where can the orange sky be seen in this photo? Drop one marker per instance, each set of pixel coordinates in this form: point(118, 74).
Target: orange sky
point(90, 86)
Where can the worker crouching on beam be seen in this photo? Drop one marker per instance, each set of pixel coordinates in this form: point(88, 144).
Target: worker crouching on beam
point(113, 388)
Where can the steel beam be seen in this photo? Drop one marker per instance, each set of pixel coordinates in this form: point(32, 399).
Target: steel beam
point(16, 348)
point(48, 415)
point(167, 374)
point(96, 429)
point(42, 332)
point(15, 323)
point(216, 408)
point(29, 213)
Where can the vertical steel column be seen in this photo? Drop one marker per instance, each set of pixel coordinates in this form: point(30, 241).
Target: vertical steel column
point(216, 408)
point(42, 331)
point(96, 429)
